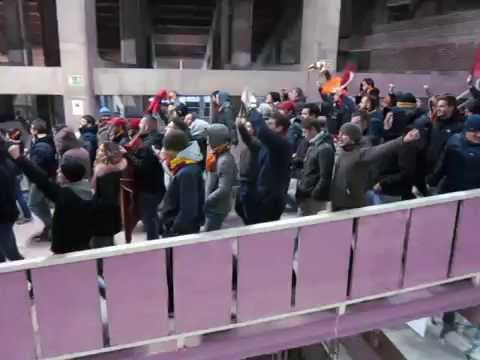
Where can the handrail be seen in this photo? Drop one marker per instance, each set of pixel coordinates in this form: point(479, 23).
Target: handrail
point(126, 249)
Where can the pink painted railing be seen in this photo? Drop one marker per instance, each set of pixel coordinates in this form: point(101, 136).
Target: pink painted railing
point(302, 280)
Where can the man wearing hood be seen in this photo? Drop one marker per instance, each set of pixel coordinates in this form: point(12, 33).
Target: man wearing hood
point(221, 177)
point(351, 174)
point(73, 219)
point(42, 154)
point(68, 146)
point(182, 211)
point(224, 113)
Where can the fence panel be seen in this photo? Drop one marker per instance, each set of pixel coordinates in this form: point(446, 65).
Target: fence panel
point(377, 261)
point(429, 245)
point(265, 274)
point(203, 285)
point(67, 302)
point(137, 296)
point(323, 260)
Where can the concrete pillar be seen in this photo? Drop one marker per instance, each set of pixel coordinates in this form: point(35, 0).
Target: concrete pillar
point(225, 31)
point(48, 16)
point(19, 51)
point(242, 23)
point(77, 32)
point(132, 32)
point(320, 31)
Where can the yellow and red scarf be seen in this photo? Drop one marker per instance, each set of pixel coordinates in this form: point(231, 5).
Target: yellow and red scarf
point(179, 163)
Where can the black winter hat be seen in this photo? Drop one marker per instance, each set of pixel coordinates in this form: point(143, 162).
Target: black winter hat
point(353, 131)
point(72, 169)
point(406, 100)
point(175, 140)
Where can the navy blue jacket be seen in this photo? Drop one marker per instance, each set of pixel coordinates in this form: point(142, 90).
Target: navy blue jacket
point(182, 210)
point(460, 166)
point(295, 134)
point(89, 137)
point(273, 161)
point(43, 154)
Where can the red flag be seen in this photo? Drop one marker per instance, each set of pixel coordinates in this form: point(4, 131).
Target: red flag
point(476, 65)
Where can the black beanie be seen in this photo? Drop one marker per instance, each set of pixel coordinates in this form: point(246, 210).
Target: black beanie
point(175, 140)
point(72, 169)
point(353, 131)
point(406, 100)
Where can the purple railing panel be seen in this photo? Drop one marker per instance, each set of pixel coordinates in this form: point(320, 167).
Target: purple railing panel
point(137, 296)
point(265, 274)
point(203, 285)
point(467, 245)
point(323, 260)
point(429, 244)
point(377, 262)
point(67, 302)
point(16, 329)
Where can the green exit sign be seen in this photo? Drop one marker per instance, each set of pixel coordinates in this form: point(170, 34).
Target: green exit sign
point(75, 80)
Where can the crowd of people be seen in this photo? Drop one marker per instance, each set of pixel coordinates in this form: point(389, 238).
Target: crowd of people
point(184, 175)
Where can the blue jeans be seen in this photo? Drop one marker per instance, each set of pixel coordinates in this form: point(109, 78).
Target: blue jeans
point(213, 221)
point(8, 244)
point(40, 206)
point(148, 206)
point(27, 214)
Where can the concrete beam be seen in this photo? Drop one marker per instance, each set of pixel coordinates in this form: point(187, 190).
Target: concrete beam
point(320, 31)
point(320, 34)
point(453, 82)
point(242, 24)
point(192, 82)
point(31, 80)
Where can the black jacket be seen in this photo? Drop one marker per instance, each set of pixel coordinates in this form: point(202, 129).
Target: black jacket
point(8, 190)
point(438, 136)
point(316, 176)
point(108, 219)
point(397, 171)
point(148, 172)
point(73, 219)
point(248, 165)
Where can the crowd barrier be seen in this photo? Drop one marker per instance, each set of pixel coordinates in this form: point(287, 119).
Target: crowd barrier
point(250, 290)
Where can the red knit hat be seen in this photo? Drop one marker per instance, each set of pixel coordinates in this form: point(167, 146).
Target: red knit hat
point(134, 123)
point(287, 106)
point(118, 122)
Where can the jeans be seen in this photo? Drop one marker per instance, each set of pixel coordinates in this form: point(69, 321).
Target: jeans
point(374, 198)
point(8, 244)
point(26, 213)
point(40, 206)
point(148, 206)
point(214, 221)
